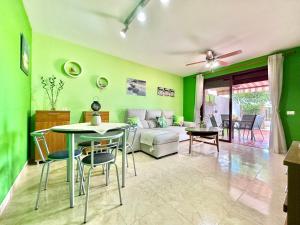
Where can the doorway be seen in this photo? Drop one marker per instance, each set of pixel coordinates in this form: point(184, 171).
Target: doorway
point(239, 104)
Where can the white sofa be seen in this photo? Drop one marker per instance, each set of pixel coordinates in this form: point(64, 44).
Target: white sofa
point(163, 144)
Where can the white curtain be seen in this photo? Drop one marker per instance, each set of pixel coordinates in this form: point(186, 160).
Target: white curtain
point(275, 73)
point(198, 97)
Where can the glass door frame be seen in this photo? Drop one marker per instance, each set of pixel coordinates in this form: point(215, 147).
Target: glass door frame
point(246, 76)
point(216, 79)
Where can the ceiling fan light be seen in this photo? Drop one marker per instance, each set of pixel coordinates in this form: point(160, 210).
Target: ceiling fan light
point(215, 64)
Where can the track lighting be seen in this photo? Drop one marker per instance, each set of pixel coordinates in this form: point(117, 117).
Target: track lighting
point(138, 13)
point(165, 2)
point(123, 32)
point(141, 16)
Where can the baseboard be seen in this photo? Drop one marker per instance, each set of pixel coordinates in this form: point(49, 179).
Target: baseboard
point(9, 195)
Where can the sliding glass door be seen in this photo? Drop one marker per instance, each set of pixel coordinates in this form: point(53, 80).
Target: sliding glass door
point(217, 106)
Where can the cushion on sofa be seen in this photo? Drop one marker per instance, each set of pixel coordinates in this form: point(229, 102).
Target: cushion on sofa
point(141, 114)
point(153, 114)
point(169, 116)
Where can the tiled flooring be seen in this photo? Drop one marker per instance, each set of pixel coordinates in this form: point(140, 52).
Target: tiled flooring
point(238, 186)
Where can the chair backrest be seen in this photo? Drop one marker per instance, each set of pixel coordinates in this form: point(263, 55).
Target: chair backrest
point(130, 134)
point(110, 142)
point(224, 117)
point(258, 121)
point(248, 121)
point(213, 121)
point(225, 120)
point(41, 143)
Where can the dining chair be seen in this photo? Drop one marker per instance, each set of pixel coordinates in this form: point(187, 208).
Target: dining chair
point(225, 122)
point(48, 158)
point(131, 135)
point(107, 155)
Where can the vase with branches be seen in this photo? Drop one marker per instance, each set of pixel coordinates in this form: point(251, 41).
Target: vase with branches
point(52, 89)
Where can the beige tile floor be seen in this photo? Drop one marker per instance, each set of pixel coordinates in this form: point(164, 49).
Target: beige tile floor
point(238, 186)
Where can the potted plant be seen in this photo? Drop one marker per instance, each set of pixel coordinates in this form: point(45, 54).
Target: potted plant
point(52, 89)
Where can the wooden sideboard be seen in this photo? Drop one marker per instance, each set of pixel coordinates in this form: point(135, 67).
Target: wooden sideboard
point(48, 119)
point(292, 202)
point(87, 116)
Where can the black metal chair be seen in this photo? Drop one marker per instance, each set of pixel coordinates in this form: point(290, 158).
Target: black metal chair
point(258, 123)
point(225, 122)
point(131, 134)
point(110, 143)
point(48, 158)
point(246, 123)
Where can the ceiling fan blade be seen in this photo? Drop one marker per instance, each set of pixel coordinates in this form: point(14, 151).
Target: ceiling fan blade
point(222, 63)
point(189, 64)
point(229, 54)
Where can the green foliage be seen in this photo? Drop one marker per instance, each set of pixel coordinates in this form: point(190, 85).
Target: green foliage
point(251, 102)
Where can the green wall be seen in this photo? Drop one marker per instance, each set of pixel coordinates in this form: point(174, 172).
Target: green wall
point(50, 53)
point(14, 94)
point(290, 99)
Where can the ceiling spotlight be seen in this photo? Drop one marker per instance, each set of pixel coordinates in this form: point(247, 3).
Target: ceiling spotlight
point(123, 32)
point(141, 16)
point(165, 2)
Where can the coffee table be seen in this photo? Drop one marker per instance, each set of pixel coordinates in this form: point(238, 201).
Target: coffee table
point(210, 133)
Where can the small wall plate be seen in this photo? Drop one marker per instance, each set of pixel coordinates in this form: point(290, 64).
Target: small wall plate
point(72, 68)
point(102, 82)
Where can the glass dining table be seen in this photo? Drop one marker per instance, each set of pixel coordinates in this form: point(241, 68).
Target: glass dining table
point(81, 128)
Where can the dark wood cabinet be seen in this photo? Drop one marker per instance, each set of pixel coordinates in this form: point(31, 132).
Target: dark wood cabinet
point(48, 119)
point(292, 202)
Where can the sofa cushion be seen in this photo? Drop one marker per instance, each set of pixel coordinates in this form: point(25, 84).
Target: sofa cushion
point(141, 114)
point(152, 123)
point(168, 114)
point(153, 114)
point(165, 137)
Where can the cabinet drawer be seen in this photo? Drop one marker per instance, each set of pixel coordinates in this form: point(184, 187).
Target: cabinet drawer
point(52, 116)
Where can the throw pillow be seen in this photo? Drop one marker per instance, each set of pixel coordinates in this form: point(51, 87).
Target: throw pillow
point(178, 121)
point(152, 123)
point(134, 121)
point(162, 122)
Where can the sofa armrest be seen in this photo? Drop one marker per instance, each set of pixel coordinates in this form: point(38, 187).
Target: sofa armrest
point(189, 124)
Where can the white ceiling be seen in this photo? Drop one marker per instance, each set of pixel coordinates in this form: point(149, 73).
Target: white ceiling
point(174, 35)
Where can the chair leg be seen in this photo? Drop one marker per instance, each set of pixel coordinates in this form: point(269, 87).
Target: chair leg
point(39, 188)
point(81, 186)
point(87, 194)
point(103, 169)
point(47, 174)
point(132, 153)
point(120, 196)
point(78, 169)
point(261, 133)
point(106, 174)
point(127, 160)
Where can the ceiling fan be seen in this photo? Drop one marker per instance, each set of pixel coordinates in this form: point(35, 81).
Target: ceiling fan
point(213, 60)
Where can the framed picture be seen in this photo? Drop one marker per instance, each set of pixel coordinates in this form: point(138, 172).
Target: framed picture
point(136, 87)
point(160, 91)
point(172, 93)
point(24, 55)
point(166, 92)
